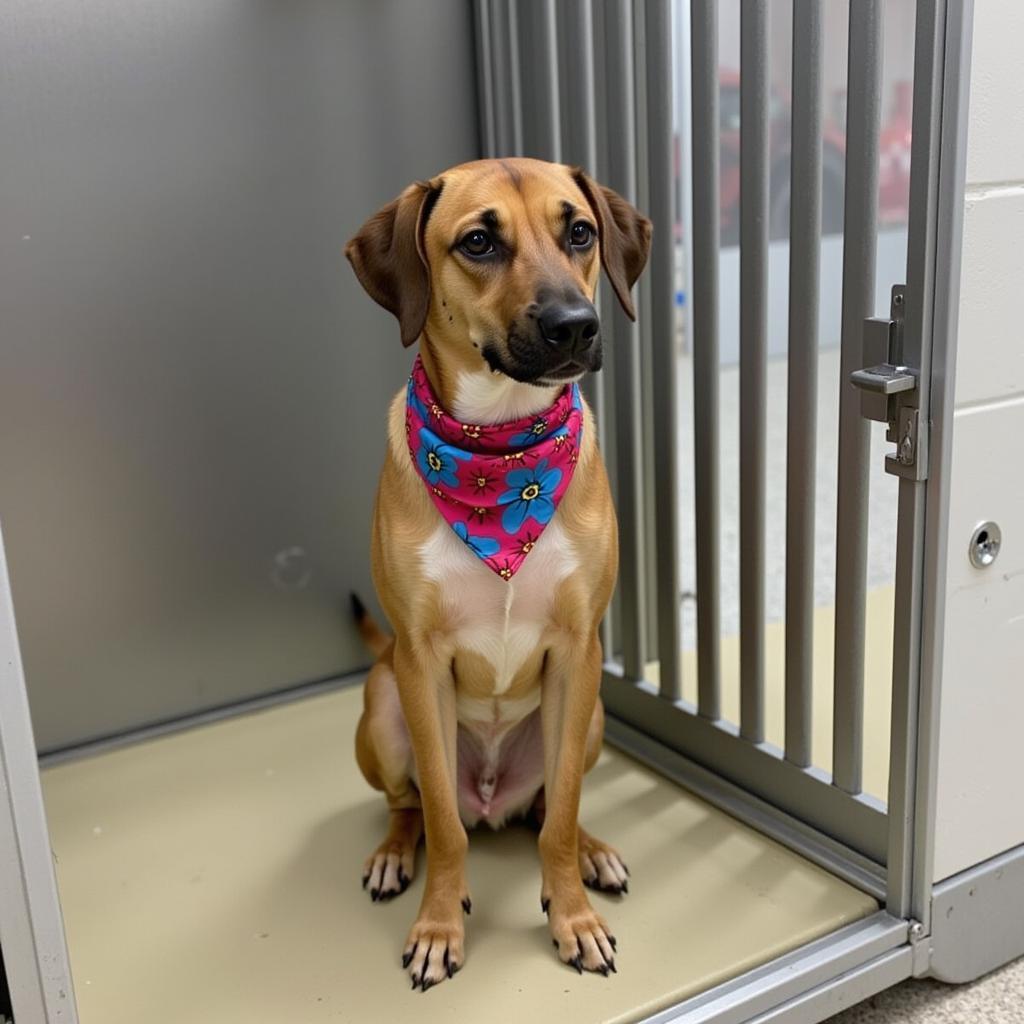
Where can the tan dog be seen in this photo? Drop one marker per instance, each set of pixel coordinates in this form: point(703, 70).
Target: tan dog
point(485, 706)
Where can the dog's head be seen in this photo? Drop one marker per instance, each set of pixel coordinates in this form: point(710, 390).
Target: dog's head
point(497, 262)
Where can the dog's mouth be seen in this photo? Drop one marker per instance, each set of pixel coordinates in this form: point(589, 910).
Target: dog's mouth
point(529, 370)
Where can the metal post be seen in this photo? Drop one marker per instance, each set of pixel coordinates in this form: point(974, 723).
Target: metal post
point(753, 357)
point(31, 927)
point(625, 344)
point(658, 45)
point(704, 300)
point(859, 229)
point(804, 274)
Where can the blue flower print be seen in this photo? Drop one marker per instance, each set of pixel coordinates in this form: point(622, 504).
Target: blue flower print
point(533, 433)
point(482, 547)
point(436, 459)
point(413, 400)
point(529, 496)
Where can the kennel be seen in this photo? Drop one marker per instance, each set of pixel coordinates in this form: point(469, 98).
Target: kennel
point(907, 894)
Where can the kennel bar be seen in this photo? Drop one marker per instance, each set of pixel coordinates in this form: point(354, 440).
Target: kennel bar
point(658, 54)
point(704, 302)
point(625, 348)
point(860, 217)
point(753, 358)
point(802, 393)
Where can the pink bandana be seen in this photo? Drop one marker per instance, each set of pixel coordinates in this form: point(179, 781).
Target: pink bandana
point(496, 486)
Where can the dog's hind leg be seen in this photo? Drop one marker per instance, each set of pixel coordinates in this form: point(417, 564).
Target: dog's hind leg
point(385, 758)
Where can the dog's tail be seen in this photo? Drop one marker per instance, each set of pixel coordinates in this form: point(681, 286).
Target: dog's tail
point(373, 636)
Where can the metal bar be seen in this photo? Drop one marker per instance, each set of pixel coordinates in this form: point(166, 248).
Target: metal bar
point(929, 48)
point(828, 999)
point(658, 53)
point(859, 228)
point(858, 822)
point(739, 803)
point(946, 303)
point(514, 78)
point(801, 431)
point(704, 300)
point(621, 175)
point(31, 927)
point(485, 77)
point(753, 357)
point(790, 976)
point(538, 82)
point(578, 127)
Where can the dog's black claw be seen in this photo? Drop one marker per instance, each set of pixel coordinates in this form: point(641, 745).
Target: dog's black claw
point(611, 967)
point(404, 886)
point(467, 905)
point(554, 942)
point(375, 895)
point(366, 879)
point(448, 964)
point(577, 962)
point(403, 878)
point(602, 970)
point(625, 867)
point(545, 905)
point(407, 957)
point(415, 983)
point(624, 887)
point(612, 942)
point(426, 983)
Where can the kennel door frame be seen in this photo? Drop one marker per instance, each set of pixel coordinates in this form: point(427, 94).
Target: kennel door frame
point(32, 926)
point(886, 849)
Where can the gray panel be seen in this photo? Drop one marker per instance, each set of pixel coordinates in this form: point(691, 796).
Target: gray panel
point(192, 384)
point(978, 919)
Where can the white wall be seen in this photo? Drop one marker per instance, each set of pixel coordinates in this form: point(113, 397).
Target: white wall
point(981, 746)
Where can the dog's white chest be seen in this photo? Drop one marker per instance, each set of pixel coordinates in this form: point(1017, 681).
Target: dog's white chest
point(502, 621)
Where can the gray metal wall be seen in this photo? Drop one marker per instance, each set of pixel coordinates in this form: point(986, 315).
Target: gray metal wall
point(192, 386)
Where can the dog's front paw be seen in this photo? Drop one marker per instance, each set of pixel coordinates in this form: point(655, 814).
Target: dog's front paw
point(434, 949)
point(581, 936)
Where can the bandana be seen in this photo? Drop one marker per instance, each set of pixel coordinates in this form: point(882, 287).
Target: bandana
point(497, 486)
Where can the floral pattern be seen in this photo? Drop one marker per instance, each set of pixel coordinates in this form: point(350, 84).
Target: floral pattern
point(496, 485)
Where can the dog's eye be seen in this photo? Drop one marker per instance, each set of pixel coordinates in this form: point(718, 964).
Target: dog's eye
point(581, 235)
point(476, 244)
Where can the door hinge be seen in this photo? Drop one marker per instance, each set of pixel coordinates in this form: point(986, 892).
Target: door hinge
point(890, 390)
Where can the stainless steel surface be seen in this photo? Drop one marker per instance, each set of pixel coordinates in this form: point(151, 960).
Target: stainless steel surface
point(658, 62)
point(801, 434)
point(35, 955)
point(707, 504)
point(754, 90)
point(192, 384)
point(986, 541)
point(859, 219)
point(625, 344)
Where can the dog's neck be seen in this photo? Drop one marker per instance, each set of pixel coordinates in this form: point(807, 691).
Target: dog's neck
point(483, 396)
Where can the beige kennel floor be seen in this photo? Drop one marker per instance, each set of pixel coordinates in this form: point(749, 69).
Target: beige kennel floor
point(212, 877)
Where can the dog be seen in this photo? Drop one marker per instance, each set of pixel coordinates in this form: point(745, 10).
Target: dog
point(494, 541)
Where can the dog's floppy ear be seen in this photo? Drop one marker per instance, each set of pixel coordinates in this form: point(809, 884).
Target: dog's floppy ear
point(625, 237)
point(388, 257)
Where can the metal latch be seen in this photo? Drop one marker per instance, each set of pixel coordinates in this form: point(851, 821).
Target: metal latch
point(886, 384)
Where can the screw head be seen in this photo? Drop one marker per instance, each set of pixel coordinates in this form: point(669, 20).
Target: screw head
point(986, 541)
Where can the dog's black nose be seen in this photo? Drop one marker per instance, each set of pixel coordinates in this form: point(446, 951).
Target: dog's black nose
point(570, 326)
